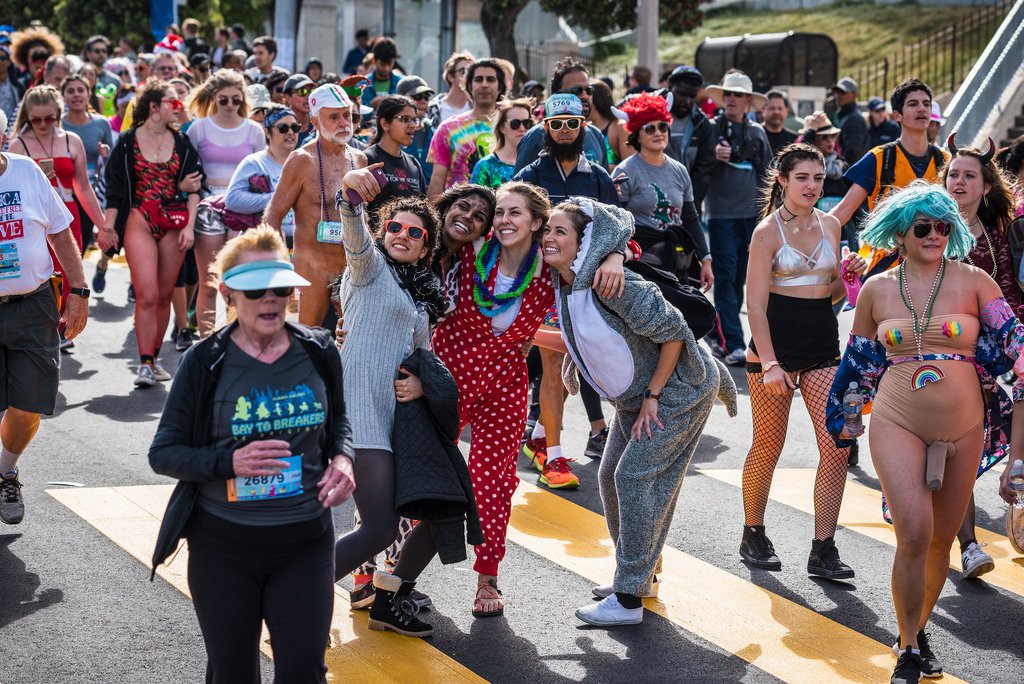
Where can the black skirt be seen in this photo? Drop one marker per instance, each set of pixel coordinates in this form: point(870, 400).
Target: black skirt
point(805, 332)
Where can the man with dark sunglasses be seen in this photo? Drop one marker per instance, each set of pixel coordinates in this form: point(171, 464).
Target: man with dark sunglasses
point(692, 140)
point(296, 91)
point(97, 52)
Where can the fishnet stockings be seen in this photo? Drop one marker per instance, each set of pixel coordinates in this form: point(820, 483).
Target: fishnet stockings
point(771, 420)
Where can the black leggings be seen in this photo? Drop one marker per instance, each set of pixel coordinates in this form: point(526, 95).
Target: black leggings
point(375, 499)
point(241, 575)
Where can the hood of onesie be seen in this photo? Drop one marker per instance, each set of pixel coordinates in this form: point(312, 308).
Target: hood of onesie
point(609, 228)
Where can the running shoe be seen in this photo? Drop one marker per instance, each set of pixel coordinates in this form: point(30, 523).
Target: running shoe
point(159, 373)
point(131, 294)
point(146, 376)
point(12, 505)
point(737, 357)
point(558, 475)
point(757, 549)
point(824, 561)
point(717, 350)
point(930, 666)
point(908, 668)
point(537, 451)
point(362, 597)
point(65, 343)
point(610, 613)
point(99, 280)
point(595, 445)
point(975, 561)
point(183, 340)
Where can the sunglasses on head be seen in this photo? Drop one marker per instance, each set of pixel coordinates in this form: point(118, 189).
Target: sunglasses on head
point(414, 232)
point(923, 228)
point(516, 124)
point(577, 90)
point(42, 120)
point(224, 101)
point(571, 124)
point(660, 127)
point(176, 104)
point(260, 294)
point(284, 128)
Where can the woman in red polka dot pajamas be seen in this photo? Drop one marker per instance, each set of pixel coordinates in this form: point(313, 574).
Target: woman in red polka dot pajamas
point(504, 293)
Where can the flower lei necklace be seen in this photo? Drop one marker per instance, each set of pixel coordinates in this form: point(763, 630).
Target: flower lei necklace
point(489, 303)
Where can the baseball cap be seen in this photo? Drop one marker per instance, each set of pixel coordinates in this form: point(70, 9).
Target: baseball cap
point(687, 74)
point(937, 113)
point(199, 59)
point(876, 104)
point(296, 81)
point(263, 275)
point(258, 96)
point(847, 85)
point(563, 104)
point(330, 96)
point(530, 85)
point(411, 86)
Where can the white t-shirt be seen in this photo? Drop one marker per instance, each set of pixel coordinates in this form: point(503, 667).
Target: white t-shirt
point(30, 209)
point(504, 320)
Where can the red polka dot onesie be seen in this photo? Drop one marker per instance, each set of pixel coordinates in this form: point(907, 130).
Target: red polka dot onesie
point(493, 396)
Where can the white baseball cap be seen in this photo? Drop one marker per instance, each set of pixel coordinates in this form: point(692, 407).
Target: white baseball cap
point(329, 96)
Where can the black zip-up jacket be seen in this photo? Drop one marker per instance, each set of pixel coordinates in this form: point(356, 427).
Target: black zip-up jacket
point(120, 175)
point(181, 447)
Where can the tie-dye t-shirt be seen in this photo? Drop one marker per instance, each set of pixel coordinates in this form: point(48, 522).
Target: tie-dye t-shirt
point(459, 143)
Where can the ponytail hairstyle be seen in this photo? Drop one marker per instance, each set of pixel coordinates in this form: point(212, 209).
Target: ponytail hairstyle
point(997, 207)
point(781, 166)
point(146, 96)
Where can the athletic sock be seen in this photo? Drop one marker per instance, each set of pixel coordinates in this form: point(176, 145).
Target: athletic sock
point(538, 431)
point(628, 601)
point(8, 461)
point(554, 452)
point(146, 358)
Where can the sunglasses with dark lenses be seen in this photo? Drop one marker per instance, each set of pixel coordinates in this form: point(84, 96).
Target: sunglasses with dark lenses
point(284, 128)
point(577, 90)
point(923, 228)
point(304, 91)
point(259, 294)
point(660, 127)
point(516, 124)
point(422, 97)
point(571, 124)
point(732, 93)
point(42, 120)
point(414, 232)
point(224, 101)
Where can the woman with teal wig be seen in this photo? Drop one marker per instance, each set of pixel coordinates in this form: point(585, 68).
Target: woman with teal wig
point(929, 338)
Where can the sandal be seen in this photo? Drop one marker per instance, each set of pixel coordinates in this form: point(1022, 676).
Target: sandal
point(488, 592)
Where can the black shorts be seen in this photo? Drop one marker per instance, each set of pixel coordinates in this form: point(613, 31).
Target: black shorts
point(29, 354)
point(189, 273)
point(805, 332)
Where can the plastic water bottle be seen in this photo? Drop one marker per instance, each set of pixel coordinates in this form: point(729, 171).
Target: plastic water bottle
point(1017, 482)
point(853, 408)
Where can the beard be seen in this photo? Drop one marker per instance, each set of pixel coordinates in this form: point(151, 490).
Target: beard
point(564, 152)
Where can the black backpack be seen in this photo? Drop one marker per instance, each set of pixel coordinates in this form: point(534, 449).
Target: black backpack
point(691, 302)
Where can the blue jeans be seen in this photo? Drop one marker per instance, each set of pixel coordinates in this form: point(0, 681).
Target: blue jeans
point(730, 245)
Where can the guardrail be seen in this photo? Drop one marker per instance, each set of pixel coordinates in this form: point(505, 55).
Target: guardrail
point(985, 91)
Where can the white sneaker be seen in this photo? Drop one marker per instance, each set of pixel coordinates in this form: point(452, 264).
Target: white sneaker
point(146, 376)
point(606, 590)
point(609, 613)
point(975, 561)
point(737, 357)
point(159, 373)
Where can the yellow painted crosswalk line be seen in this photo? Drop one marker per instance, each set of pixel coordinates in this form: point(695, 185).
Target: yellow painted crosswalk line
point(130, 517)
point(776, 635)
point(862, 512)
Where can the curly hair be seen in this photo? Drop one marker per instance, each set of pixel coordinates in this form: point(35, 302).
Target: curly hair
point(423, 209)
point(203, 102)
point(996, 208)
point(895, 215)
point(149, 94)
point(23, 42)
point(446, 199)
point(565, 66)
point(785, 161)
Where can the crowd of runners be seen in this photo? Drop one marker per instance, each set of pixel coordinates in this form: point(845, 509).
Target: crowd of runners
point(478, 251)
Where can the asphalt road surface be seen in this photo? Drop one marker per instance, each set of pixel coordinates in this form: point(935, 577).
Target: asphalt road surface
point(77, 605)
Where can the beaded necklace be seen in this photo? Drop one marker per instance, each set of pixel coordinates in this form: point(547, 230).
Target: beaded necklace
point(908, 301)
point(991, 250)
point(489, 303)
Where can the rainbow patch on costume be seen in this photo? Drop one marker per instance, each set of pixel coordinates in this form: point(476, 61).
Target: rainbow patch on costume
point(924, 375)
point(893, 337)
point(952, 329)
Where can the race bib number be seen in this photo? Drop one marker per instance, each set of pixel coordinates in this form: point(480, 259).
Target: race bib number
point(329, 232)
point(286, 483)
point(10, 264)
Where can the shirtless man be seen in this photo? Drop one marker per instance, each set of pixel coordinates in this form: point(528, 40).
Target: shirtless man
point(309, 182)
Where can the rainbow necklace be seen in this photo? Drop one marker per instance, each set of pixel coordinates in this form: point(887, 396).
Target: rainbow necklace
point(489, 303)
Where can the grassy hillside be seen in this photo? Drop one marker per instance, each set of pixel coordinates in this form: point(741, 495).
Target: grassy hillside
point(863, 32)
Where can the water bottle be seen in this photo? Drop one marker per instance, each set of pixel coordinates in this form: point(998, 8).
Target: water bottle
point(1017, 482)
point(853, 407)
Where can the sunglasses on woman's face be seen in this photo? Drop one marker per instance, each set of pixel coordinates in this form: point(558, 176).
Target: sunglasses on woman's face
point(571, 124)
point(260, 294)
point(42, 120)
point(284, 128)
point(660, 127)
point(515, 124)
point(423, 97)
point(414, 232)
point(304, 91)
point(176, 104)
point(577, 90)
point(224, 101)
point(923, 228)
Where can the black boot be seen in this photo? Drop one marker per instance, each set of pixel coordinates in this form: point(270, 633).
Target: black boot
point(824, 561)
point(393, 608)
point(757, 549)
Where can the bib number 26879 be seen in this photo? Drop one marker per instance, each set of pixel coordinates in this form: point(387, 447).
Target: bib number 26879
point(286, 483)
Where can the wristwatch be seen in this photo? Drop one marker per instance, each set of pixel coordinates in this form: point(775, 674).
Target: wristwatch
point(80, 291)
point(768, 365)
point(648, 394)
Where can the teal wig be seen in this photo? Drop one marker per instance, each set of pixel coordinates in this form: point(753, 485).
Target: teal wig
point(896, 213)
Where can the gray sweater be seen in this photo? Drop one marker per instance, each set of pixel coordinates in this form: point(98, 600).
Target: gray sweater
point(383, 326)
